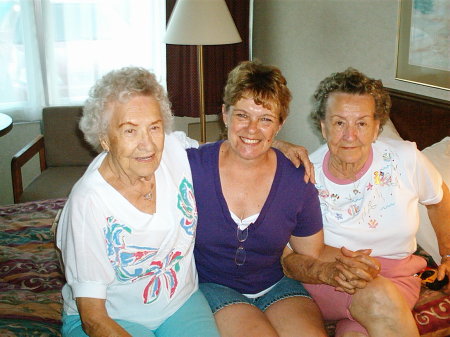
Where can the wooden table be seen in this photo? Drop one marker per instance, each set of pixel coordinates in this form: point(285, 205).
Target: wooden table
point(5, 124)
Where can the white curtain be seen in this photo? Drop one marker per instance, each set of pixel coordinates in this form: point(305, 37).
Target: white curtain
point(52, 51)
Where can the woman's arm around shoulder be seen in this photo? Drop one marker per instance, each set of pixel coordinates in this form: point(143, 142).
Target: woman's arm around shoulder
point(298, 155)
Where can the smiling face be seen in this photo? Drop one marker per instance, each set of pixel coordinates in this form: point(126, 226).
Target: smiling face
point(251, 128)
point(135, 137)
point(349, 128)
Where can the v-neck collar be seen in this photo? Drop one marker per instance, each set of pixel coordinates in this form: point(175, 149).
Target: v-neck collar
point(221, 197)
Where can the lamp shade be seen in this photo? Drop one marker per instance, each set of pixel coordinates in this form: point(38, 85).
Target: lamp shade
point(201, 22)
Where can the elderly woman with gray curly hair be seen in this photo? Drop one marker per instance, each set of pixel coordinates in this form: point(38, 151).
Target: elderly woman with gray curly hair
point(127, 230)
point(369, 190)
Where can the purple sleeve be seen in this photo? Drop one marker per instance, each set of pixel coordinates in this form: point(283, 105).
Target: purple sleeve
point(309, 219)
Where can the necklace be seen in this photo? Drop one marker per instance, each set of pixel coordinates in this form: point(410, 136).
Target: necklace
point(356, 187)
point(149, 195)
point(124, 187)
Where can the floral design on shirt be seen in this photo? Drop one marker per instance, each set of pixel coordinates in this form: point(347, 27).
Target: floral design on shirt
point(127, 260)
point(160, 271)
point(132, 262)
point(387, 156)
point(334, 197)
point(353, 209)
point(323, 193)
point(186, 204)
point(365, 203)
point(373, 223)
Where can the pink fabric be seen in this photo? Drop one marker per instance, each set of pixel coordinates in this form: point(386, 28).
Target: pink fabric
point(402, 272)
point(346, 325)
point(334, 304)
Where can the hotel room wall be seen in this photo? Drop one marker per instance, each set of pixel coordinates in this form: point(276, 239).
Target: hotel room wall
point(310, 39)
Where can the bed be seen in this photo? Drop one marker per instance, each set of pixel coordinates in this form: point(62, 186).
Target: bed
point(31, 277)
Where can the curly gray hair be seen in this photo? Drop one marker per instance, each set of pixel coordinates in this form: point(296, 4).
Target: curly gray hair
point(351, 81)
point(120, 86)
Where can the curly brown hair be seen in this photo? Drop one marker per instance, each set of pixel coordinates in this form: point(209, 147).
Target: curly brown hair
point(264, 83)
point(351, 81)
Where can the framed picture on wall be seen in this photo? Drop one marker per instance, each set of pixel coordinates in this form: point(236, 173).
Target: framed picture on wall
point(423, 54)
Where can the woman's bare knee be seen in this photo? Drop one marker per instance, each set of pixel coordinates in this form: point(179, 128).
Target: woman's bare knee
point(241, 319)
point(382, 310)
point(295, 317)
point(380, 298)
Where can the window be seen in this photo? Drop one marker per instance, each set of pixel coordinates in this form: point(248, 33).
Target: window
point(52, 51)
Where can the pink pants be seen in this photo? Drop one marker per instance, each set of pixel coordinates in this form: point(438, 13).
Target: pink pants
point(334, 305)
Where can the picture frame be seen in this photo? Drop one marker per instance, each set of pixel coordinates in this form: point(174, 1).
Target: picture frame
point(423, 54)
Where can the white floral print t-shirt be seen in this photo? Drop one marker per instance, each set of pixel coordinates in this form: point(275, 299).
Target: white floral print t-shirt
point(380, 209)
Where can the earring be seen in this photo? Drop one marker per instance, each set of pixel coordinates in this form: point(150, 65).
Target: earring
point(104, 145)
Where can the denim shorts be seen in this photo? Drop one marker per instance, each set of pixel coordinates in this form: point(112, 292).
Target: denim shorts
point(220, 296)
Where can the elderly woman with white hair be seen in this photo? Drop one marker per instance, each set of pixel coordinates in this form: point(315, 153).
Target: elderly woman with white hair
point(127, 230)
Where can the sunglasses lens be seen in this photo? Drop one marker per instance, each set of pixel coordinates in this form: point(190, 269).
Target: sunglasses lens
point(242, 234)
point(240, 256)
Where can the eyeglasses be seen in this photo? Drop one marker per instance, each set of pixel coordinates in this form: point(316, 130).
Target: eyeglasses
point(241, 255)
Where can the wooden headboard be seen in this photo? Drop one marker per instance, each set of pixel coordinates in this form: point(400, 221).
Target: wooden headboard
point(418, 118)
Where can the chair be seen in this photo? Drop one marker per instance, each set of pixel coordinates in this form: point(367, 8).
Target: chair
point(63, 154)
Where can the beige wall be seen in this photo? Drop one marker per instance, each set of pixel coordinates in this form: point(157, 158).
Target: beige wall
point(310, 39)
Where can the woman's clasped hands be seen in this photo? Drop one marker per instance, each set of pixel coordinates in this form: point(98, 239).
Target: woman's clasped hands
point(354, 270)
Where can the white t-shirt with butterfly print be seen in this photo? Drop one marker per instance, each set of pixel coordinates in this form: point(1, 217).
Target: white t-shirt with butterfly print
point(142, 264)
point(379, 210)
